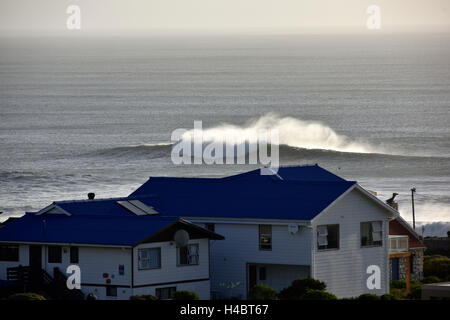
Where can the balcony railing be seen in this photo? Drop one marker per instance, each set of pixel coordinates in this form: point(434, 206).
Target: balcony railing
point(398, 243)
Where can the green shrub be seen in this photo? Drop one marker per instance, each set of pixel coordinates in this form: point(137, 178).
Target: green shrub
point(368, 296)
point(26, 296)
point(399, 294)
point(438, 266)
point(186, 295)
point(312, 294)
point(144, 297)
point(398, 284)
point(431, 279)
point(299, 287)
point(388, 296)
point(415, 292)
point(262, 292)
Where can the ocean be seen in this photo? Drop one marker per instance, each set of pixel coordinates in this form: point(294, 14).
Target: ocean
point(96, 114)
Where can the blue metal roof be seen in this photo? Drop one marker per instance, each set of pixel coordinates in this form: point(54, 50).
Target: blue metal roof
point(292, 173)
point(82, 229)
point(304, 192)
point(301, 194)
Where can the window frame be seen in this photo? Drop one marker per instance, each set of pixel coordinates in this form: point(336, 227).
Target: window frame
point(262, 276)
point(74, 252)
point(149, 268)
point(261, 235)
point(338, 234)
point(50, 254)
point(210, 227)
point(109, 293)
point(179, 264)
point(171, 291)
point(10, 257)
point(371, 245)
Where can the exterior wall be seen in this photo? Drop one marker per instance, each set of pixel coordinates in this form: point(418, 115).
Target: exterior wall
point(281, 276)
point(401, 268)
point(23, 260)
point(94, 262)
point(344, 269)
point(202, 288)
point(416, 273)
point(230, 257)
point(172, 275)
point(417, 270)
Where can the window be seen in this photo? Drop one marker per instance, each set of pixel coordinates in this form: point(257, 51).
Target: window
point(54, 254)
point(9, 253)
point(265, 237)
point(328, 237)
point(371, 233)
point(210, 227)
point(262, 273)
point(137, 207)
point(188, 255)
point(165, 293)
point(111, 291)
point(73, 254)
point(149, 258)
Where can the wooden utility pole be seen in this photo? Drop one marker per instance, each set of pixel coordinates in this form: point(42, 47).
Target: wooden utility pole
point(413, 190)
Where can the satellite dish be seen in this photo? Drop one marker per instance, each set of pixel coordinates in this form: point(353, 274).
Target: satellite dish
point(181, 238)
point(293, 228)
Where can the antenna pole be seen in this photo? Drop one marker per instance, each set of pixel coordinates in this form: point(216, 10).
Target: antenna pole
point(413, 190)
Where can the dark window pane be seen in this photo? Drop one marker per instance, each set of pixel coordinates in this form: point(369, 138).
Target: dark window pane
point(184, 257)
point(54, 254)
point(111, 291)
point(262, 273)
point(9, 253)
point(73, 254)
point(369, 235)
point(165, 293)
point(265, 237)
point(331, 239)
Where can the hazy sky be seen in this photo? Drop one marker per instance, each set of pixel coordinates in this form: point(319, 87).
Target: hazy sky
point(221, 15)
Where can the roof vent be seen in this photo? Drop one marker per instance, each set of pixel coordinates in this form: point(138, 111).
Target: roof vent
point(91, 196)
point(137, 207)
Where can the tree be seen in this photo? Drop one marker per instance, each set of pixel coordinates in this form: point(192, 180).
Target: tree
point(262, 292)
point(299, 288)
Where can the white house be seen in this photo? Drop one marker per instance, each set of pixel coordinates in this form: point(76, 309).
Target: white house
point(302, 222)
point(122, 248)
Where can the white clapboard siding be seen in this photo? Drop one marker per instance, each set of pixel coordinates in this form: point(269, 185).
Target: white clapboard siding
point(344, 270)
point(229, 257)
point(170, 274)
point(23, 260)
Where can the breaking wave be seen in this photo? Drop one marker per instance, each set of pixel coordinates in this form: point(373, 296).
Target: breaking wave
point(292, 132)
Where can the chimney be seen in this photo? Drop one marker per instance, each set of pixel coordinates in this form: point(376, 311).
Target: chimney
point(91, 196)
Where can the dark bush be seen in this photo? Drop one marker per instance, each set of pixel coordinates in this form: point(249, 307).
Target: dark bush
point(262, 292)
point(415, 292)
point(438, 266)
point(399, 294)
point(368, 296)
point(26, 296)
point(312, 294)
point(186, 295)
point(299, 287)
point(431, 279)
point(388, 297)
point(144, 297)
point(398, 284)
